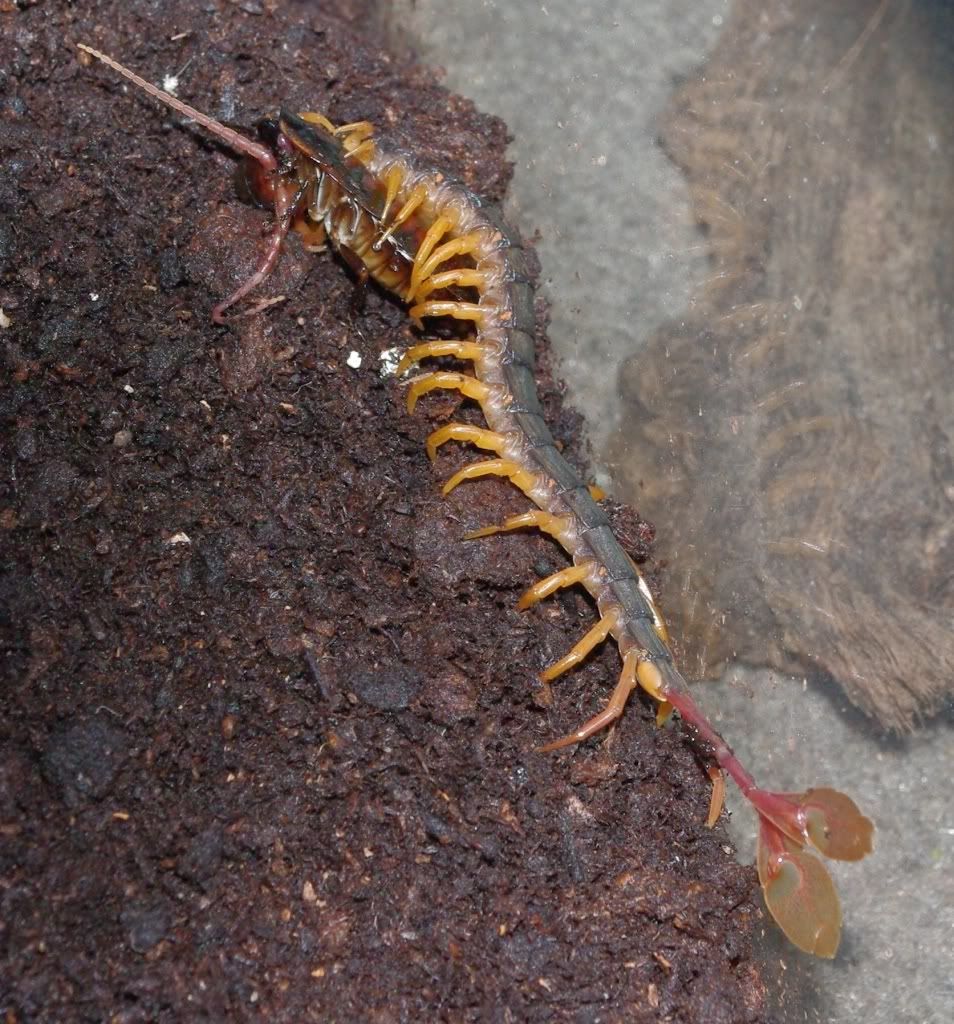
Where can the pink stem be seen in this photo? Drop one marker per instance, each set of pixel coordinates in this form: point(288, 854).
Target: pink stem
point(693, 716)
point(774, 809)
point(230, 137)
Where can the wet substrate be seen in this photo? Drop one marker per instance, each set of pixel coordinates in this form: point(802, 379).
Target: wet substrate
point(269, 722)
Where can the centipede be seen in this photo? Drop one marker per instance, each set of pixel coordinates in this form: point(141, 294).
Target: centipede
point(445, 253)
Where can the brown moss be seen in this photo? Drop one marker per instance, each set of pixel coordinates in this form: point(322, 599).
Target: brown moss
point(792, 433)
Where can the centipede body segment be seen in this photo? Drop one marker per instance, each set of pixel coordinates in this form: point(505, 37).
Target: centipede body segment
point(445, 253)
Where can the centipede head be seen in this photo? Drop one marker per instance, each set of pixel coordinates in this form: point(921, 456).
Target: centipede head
point(255, 182)
point(294, 142)
point(312, 140)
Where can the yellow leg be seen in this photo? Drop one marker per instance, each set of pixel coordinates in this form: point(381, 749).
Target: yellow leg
point(466, 385)
point(357, 130)
point(545, 521)
point(458, 349)
point(596, 492)
point(312, 118)
point(458, 310)
point(518, 476)
point(479, 436)
point(663, 713)
point(718, 794)
point(413, 201)
point(567, 577)
point(461, 246)
point(392, 180)
point(363, 152)
point(449, 279)
point(612, 711)
point(434, 234)
point(592, 639)
point(356, 137)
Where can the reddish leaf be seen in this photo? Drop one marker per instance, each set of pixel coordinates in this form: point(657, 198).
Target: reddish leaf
point(835, 826)
point(799, 893)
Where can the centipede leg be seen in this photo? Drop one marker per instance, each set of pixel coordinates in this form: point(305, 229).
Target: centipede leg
point(469, 386)
point(545, 521)
point(567, 577)
point(463, 278)
point(518, 476)
point(470, 350)
point(356, 140)
point(582, 648)
point(718, 794)
point(413, 201)
point(457, 310)
point(392, 181)
point(612, 711)
point(364, 152)
point(357, 130)
point(352, 134)
point(664, 712)
point(434, 234)
point(463, 245)
point(479, 436)
point(319, 119)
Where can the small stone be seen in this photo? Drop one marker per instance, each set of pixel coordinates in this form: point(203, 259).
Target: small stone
point(203, 857)
point(82, 759)
point(146, 925)
point(389, 689)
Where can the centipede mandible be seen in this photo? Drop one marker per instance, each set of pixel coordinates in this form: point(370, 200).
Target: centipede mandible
point(445, 253)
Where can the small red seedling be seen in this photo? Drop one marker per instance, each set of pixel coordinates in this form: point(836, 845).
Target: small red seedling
point(798, 890)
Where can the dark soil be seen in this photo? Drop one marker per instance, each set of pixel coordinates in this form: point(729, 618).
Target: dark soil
point(269, 724)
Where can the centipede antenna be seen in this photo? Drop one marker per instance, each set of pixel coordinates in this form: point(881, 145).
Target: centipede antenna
point(230, 137)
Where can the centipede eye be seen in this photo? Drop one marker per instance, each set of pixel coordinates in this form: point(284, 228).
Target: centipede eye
point(268, 131)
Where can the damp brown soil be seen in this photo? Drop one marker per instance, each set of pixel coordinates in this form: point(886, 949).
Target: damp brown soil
point(268, 731)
